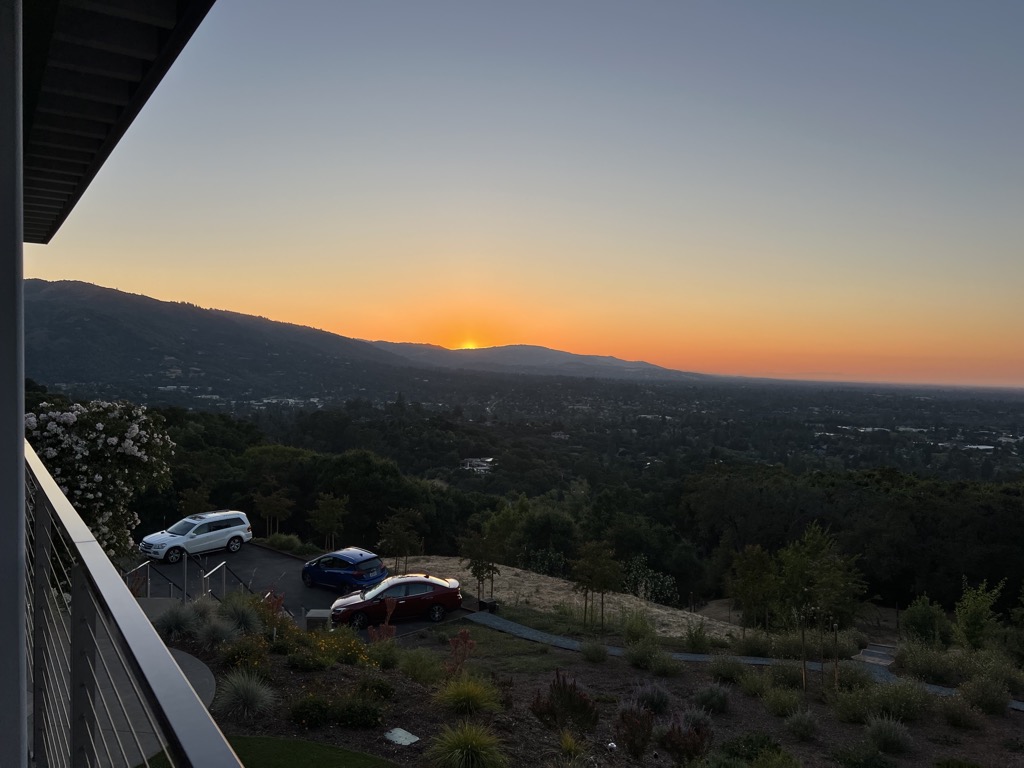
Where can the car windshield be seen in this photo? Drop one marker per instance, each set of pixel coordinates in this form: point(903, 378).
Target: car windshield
point(369, 594)
point(181, 527)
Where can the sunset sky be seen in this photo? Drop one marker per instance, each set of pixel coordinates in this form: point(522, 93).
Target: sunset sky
point(794, 189)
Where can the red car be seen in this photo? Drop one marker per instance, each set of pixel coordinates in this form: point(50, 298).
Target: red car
point(415, 596)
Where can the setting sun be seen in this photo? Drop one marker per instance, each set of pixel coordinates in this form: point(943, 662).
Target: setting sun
point(467, 345)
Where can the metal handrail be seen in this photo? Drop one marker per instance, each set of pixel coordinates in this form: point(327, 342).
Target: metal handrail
point(139, 568)
point(223, 568)
point(98, 620)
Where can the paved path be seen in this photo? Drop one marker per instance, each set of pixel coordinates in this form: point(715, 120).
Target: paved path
point(879, 672)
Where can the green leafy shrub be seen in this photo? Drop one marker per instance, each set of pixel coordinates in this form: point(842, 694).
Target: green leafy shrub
point(853, 675)
point(641, 654)
point(315, 711)
point(422, 665)
point(565, 704)
point(726, 669)
point(750, 746)
point(243, 695)
point(802, 724)
point(637, 626)
point(996, 665)
point(684, 740)
point(986, 694)
point(594, 652)
point(958, 713)
point(975, 620)
point(248, 652)
point(214, 633)
point(904, 700)
point(790, 645)
point(342, 645)
point(786, 676)
point(634, 725)
point(308, 661)
point(465, 695)
point(925, 622)
point(753, 681)
point(697, 639)
point(713, 698)
point(653, 697)
point(375, 687)
point(755, 644)
point(466, 746)
point(781, 702)
point(862, 756)
point(283, 542)
point(887, 734)
point(177, 623)
point(663, 665)
point(929, 663)
point(383, 654)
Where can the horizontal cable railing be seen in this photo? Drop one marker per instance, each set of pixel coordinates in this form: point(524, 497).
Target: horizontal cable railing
point(104, 689)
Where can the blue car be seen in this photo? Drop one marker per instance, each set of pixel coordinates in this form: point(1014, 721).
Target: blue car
point(346, 570)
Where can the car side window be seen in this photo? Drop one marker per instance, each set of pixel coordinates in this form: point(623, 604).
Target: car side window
point(328, 562)
point(204, 528)
point(419, 589)
point(396, 591)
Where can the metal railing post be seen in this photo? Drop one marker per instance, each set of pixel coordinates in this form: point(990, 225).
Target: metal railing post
point(42, 638)
point(83, 664)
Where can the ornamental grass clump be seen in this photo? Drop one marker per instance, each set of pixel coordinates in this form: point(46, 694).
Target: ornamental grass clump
point(421, 665)
point(958, 713)
point(653, 697)
point(802, 724)
point(177, 623)
point(753, 681)
point(889, 735)
point(214, 633)
point(753, 643)
point(713, 698)
point(241, 614)
point(594, 652)
point(637, 626)
point(786, 676)
point(466, 695)
point(685, 740)
point(466, 745)
point(986, 694)
point(634, 726)
point(565, 704)
point(642, 654)
point(781, 702)
point(243, 695)
point(726, 669)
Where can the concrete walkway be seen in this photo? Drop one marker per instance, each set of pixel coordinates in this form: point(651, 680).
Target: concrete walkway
point(879, 672)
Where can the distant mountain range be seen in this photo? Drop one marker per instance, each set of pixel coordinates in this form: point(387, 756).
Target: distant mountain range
point(100, 341)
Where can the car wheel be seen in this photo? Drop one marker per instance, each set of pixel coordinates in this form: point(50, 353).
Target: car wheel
point(174, 555)
point(234, 544)
point(436, 612)
point(358, 620)
point(307, 580)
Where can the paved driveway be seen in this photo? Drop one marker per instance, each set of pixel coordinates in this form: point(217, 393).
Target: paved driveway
point(258, 568)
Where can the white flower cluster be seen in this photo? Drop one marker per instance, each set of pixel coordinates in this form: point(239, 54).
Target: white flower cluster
point(102, 455)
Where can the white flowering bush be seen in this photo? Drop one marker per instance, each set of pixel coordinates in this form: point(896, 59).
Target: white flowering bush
point(102, 456)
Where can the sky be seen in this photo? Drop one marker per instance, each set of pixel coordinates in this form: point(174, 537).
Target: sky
point(791, 189)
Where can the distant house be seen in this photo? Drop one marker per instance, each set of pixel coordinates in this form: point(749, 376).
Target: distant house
point(480, 466)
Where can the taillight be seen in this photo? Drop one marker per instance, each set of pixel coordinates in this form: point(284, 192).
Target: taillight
point(358, 574)
point(248, 529)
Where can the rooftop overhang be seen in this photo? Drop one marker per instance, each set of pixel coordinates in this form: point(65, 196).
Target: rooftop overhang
point(88, 67)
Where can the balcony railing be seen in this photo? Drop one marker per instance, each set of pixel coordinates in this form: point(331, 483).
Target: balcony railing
point(103, 688)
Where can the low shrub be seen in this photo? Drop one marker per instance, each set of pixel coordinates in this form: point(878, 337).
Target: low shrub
point(802, 724)
point(750, 746)
point(594, 652)
point(684, 740)
point(726, 669)
point(241, 614)
point(315, 711)
point(243, 695)
point(247, 652)
point(641, 654)
point(714, 699)
point(904, 700)
point(987, 694)
point(854, 675)
point(998, 666)
point(634, 726)
point(204, 609)
point(383, 654)
point(653, 697)
point(781, 702)
point(466, 745)
point(375, 687)
point(862, 756)
point(421, 665)
point(565, 704)
point(753, 681)
point(309, 661)
point(214, 633)
point(283, 542)
point(697, 639)
point(925, 622)
point(342, 645)
point(663, 665)
point(756, 644)
point(637, 625)
point(789, 645)
point(176, 623)
point(929, 663)
point(467, 695)
point(786, 676)
point(889, 735)
point(958, 713)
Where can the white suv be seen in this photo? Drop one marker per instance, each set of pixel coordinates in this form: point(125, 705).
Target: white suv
point(223, 529)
